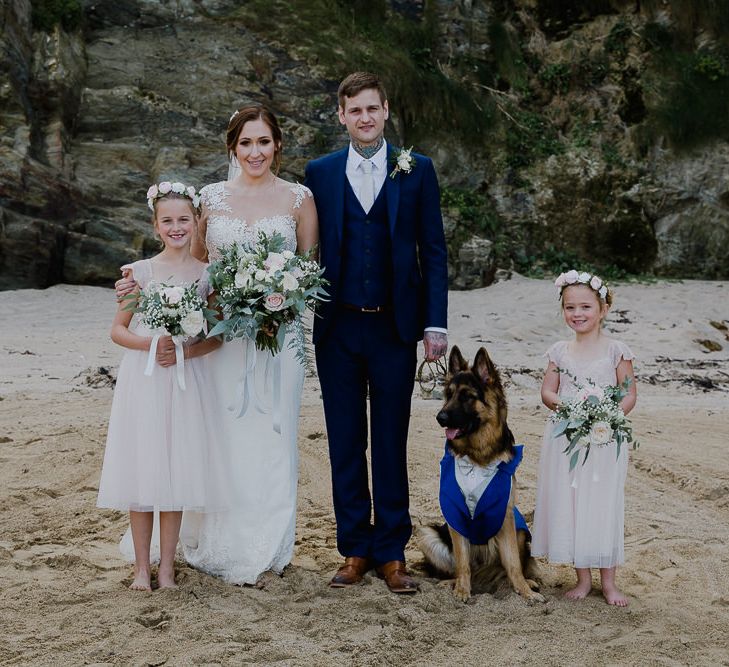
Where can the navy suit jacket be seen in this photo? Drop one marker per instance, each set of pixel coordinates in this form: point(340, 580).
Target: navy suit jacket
point(419, 257)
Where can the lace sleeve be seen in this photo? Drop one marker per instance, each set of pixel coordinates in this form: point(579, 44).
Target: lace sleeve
point(556, 352)
point(620, 351)
point(300, 192)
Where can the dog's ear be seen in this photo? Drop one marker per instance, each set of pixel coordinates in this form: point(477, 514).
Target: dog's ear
point(484, 368)
point(456, 362)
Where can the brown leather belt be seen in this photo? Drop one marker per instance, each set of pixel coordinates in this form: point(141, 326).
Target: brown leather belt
point(364, 309)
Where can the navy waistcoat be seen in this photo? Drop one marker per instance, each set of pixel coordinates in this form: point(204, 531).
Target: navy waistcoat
point(491, 508)
point(366, 278)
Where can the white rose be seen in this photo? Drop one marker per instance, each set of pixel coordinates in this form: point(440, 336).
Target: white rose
point(192, 323)
point(600, 433)
point(190, 191)
point(274, 262)
point(584, 277)
point(289, 282)
point(571, 277)
point(297, 272)
point(561, 281)
point(242, 279)
point(165, 187)
point(603, 292)
point(287, 254)
point(404, 162)
point(260, 275)
point(178, 187)
point(173, 295)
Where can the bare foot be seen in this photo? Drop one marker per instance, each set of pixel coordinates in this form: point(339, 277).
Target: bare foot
point(579, 592)
point(142, 580)
point(166, 579)
point(613, 596)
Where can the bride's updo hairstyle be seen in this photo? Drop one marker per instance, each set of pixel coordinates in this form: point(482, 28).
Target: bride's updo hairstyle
point(254, 112)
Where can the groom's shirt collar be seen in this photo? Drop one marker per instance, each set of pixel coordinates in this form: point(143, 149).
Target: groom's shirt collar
point(379, 159)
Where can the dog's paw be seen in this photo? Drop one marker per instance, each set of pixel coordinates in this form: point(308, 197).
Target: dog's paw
point(533, 597)
point(462, 591)
point(533, 584)
point(447, 583)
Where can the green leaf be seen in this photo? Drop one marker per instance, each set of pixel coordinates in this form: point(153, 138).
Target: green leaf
point(573, 460)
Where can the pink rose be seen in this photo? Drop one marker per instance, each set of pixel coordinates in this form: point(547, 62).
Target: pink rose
point(561, 281)
point(595, 283)
point(152, 192)
point(274, 302)
point(571, 277)
point(165, 187)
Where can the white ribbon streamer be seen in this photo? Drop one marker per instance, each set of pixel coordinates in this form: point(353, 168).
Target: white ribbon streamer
point(179, 357)
point(247, 391)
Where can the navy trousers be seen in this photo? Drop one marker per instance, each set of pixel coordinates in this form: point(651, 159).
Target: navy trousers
point(362, 352)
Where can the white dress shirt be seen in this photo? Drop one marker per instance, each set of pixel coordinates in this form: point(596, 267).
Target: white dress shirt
point(355, 173)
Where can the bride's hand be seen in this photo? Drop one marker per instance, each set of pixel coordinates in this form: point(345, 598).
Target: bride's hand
point(270, 329)
point(125, 285)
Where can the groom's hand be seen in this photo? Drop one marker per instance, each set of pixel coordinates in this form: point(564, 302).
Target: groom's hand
point(435, 344)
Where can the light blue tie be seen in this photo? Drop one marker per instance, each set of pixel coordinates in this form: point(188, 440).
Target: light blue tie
point(367, 191)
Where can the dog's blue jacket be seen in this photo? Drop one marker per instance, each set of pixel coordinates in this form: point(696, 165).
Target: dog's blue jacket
point(491, 508)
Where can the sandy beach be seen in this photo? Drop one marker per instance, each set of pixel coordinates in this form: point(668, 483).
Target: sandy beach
point(63, 583)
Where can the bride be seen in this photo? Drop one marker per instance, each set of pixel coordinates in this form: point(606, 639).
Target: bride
point(260, 445)
point(240, 544)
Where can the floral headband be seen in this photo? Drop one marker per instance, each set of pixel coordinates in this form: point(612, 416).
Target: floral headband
point(584, 278)
point(165, 187)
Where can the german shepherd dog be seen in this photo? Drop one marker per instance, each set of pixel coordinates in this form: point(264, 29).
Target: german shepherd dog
point(474, 416)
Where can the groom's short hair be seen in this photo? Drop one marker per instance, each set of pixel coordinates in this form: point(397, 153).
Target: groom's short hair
point(356, 82)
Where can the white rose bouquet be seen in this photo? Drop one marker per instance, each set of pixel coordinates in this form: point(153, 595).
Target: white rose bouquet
point(593, 418)
point(176, 310)
point(263, 289)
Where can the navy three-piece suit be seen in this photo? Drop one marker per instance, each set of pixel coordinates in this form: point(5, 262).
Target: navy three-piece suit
point(392, 260)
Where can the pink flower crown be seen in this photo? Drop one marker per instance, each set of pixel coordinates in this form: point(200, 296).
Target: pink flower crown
point(574, 277)
point(165, 187)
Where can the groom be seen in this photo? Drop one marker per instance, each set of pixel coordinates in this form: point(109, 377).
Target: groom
point(384, 254)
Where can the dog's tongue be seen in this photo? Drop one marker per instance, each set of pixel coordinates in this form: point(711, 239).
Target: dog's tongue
point(452, 433)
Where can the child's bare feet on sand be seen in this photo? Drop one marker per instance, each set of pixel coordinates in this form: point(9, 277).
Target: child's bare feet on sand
point(166, 578)
point(142, 580)
point(609, 590)
point(584, 585)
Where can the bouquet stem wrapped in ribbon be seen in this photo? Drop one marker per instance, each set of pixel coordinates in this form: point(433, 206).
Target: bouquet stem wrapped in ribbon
point(593, 418)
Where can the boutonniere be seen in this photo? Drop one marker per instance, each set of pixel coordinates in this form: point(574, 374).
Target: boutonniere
point(403, 161)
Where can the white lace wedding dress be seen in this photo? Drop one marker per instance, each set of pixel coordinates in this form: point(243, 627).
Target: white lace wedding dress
point(239, 545)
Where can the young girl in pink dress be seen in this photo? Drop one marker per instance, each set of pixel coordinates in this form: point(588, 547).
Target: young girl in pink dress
point(579, 514)
point(160, 454)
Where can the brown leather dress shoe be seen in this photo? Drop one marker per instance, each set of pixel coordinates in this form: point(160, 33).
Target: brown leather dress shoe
point(397, 578)
point(351, 572)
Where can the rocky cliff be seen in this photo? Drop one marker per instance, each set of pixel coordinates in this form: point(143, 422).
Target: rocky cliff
point(596, 134)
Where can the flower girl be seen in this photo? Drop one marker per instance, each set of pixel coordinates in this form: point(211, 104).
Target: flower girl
point(579, 510)
point(159, 450)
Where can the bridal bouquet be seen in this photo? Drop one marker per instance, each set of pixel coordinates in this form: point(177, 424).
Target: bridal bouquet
point(263, 289)
point(178, 310)
point(593, 418)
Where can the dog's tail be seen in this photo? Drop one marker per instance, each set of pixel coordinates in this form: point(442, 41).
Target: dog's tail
point(435, 543)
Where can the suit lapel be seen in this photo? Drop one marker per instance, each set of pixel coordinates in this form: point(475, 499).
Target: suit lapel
point(338, 178)
point(392, 190)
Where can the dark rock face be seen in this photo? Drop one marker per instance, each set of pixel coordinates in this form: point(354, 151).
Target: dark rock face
point(143, 92)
